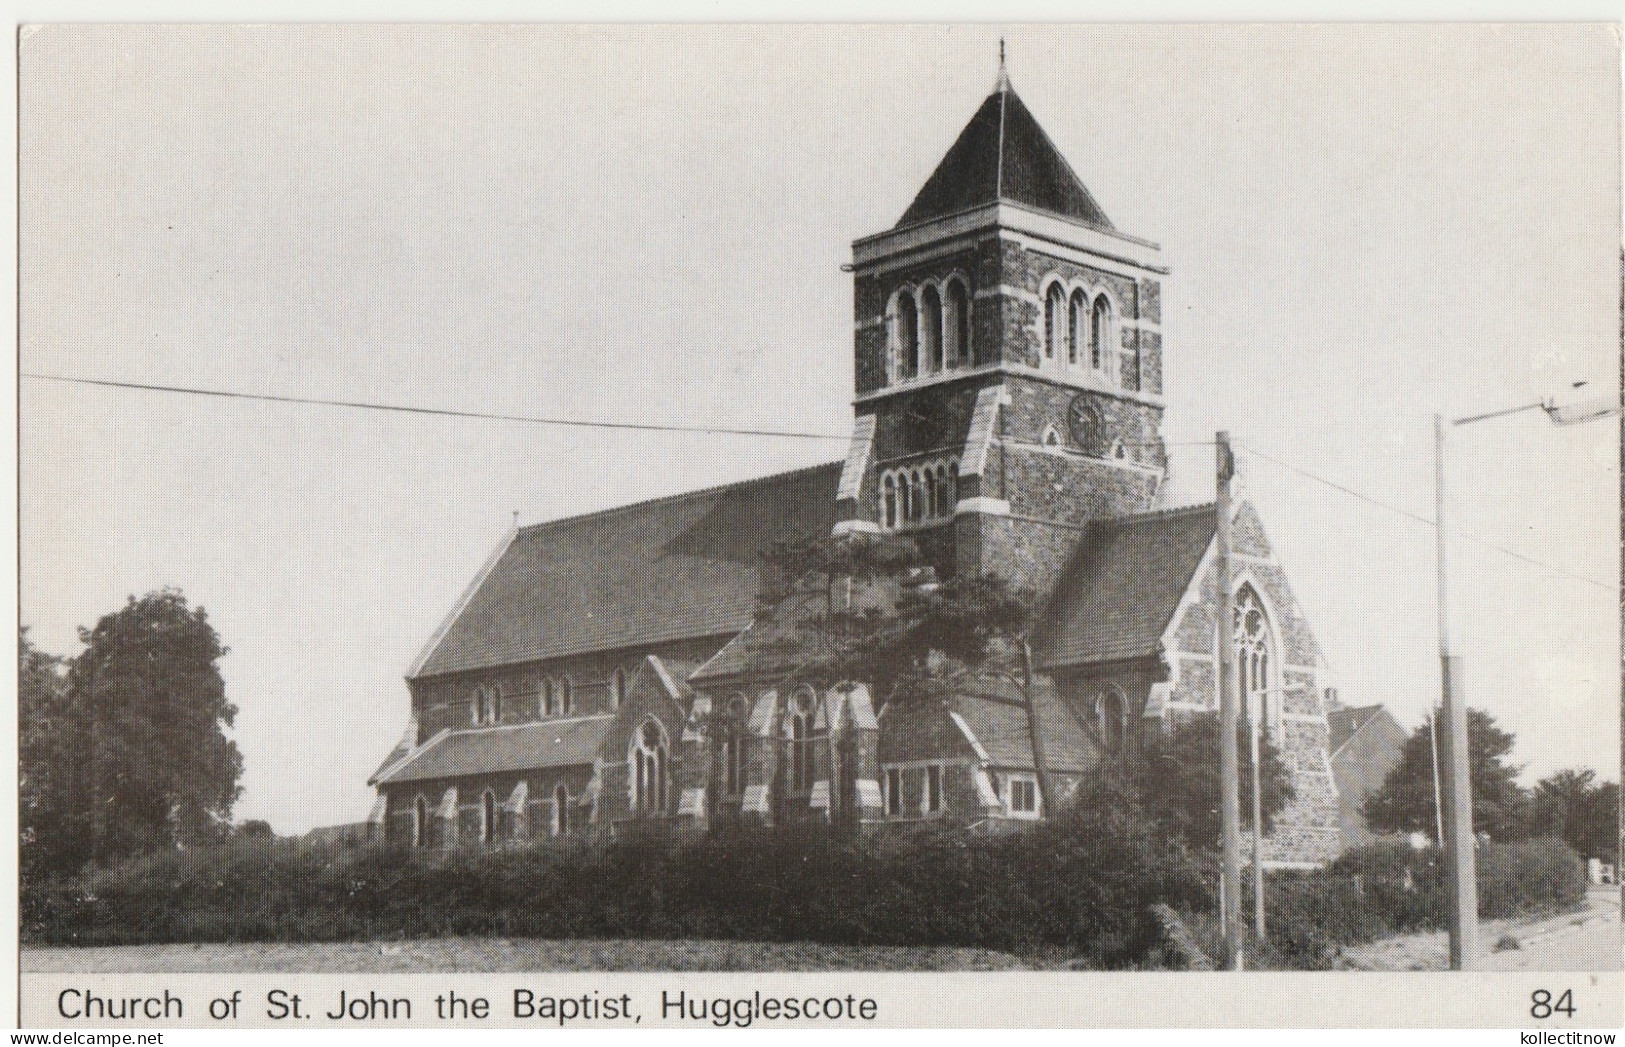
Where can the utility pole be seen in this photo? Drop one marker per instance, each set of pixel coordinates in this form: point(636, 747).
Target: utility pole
point(1229, 772)
point(1460, 857)
point(1253, 727)
point(1438, 793)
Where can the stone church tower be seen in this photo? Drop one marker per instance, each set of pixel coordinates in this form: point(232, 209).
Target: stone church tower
point(1008, 359)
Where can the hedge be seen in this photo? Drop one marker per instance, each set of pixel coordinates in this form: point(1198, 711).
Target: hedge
point(1054, 886)
point(1391, 888)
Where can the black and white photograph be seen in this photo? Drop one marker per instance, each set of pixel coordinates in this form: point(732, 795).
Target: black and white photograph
point(573, 501)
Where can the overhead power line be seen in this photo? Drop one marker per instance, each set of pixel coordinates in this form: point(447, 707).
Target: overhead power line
point(792, 434)
point(1427, 520)
point(438, 411)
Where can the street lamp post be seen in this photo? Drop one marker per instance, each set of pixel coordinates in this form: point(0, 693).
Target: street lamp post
point(1457, 812)
point(1458, 794)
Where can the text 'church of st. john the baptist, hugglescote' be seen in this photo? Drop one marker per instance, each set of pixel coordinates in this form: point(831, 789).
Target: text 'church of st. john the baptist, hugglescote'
point(1008, 349)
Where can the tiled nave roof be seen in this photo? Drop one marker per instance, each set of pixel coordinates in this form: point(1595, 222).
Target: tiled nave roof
point(674, 568)
point(493, 750)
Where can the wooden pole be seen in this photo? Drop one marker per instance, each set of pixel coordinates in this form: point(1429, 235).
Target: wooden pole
point(1459, 855)
point(1229, 784)
point(1253, 727)
point(1438, 791)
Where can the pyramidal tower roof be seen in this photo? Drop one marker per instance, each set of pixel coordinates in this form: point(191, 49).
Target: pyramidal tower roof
point(1002, 154)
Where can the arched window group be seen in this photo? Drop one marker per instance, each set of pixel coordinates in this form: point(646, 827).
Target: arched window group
point(916, 494)
point(649, 757)
point(557, 697)
point(930, 328)
point(1080, 331)
point(486, 708)
point(1253, 662)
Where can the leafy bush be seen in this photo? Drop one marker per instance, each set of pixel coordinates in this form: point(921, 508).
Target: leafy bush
point(1390, 888)
point(1069, 885)
point(1529, 877)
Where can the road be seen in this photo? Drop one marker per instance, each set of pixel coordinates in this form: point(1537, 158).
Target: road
point(1581, 941)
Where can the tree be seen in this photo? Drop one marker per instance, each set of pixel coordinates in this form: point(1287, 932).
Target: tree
point(864, 607)
point(1406, 801)
point(256, 828)
point(51, 830)
point(867, 608)
point(1175, 776)
point(149, 706)
point(1584, 813)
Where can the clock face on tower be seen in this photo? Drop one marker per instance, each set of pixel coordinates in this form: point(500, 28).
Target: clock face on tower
point(1083, 422)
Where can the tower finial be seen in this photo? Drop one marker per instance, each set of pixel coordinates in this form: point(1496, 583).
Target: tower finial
point(1003, 83)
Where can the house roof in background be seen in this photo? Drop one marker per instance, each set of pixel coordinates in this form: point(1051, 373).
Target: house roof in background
point(1345, 722)
point(674, 568)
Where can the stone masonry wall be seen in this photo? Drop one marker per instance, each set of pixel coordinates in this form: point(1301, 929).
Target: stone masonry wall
point(1307, 830)
point(977, 262)
point(448, 701)
point(1026, 270)
point(538, 816)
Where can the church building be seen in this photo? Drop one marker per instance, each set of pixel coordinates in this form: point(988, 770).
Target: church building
point(1008, 417)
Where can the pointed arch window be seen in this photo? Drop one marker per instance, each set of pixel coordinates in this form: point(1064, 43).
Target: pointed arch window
point(931, 330)
point(1054, 322)
point(1254, 663)
point(958, 326)
point(561, 810)
point(733, 762)
point(420, 823)
point(734, 716)
point(488, 816)
point(888, 497)
point(549, 697)
point(649, 758)
point(799, 731)
point(1077, 326)
point(1100, 333)
point(486, 707)
point(1111, 712)
point(908, 335)
point(566, 698)
point(618, 689)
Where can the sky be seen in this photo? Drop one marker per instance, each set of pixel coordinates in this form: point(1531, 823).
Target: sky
point(1366, 225)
